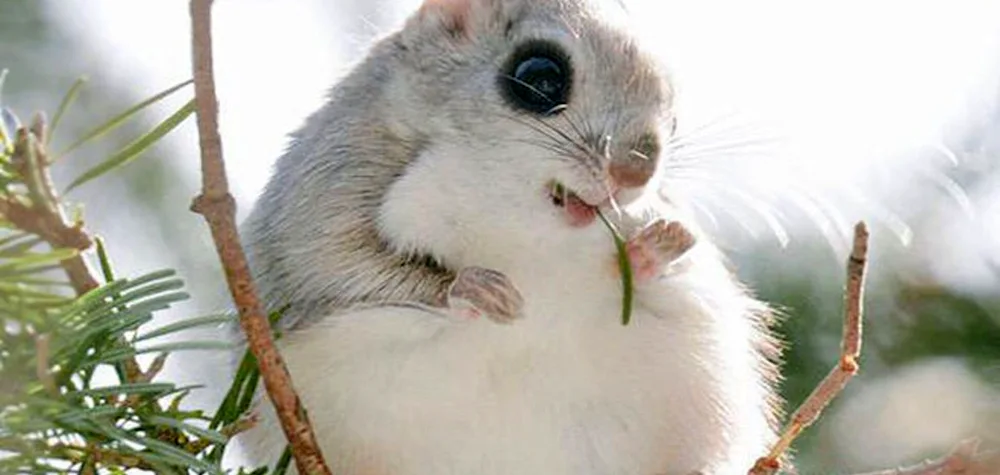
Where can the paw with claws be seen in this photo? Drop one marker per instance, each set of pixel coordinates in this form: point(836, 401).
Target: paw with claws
point(657, 246)
point(483, 292)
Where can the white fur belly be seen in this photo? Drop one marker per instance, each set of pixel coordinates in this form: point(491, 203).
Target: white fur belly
point(406, 391)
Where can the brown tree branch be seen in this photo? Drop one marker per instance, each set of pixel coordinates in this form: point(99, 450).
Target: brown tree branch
point(837, 378)
point(42, 215)
point(965, 459)
point(219, 209)
point(40, 212)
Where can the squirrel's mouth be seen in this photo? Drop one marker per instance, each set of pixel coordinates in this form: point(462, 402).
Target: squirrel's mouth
point(578, 212)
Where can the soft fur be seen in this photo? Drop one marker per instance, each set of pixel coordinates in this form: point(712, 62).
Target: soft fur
point(416, 168)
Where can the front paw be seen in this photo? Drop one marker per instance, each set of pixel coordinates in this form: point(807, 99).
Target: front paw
point(655, 247)
point(483, 292)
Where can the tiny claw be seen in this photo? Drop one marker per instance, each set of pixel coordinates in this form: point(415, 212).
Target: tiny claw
point(656, 246)
point(478, 291)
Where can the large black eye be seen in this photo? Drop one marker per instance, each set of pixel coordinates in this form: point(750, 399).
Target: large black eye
point(537, 78)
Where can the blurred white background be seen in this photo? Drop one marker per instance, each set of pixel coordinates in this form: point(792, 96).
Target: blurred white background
point(858, 99)
point(809, 115)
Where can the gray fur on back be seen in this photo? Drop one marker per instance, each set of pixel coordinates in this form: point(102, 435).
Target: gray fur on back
point(311, 238)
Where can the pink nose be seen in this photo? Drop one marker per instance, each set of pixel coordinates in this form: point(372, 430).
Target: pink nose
point(632, 171)
point(634, 168)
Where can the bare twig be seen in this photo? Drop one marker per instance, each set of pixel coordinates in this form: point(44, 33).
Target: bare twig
point(837, 378)
point(135, 375)
point(219, 209)
point(154, 368)
point(965, 459)
point(229, 431)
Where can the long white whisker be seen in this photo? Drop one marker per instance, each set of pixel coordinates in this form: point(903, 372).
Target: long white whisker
point(892, 221)
point(772, 217)
point(705, 211)
point(953, 190)
point(713, 146)
point(720, 127)
point(947, 153)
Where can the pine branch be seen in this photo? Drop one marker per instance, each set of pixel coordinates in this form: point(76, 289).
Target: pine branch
point(56, 414)
point(219, 209)
point(43, 215)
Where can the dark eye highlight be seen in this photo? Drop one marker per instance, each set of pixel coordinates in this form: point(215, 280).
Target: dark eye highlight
point(537, 78)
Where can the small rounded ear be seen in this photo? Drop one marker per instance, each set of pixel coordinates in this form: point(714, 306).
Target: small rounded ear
point(460, 19)
point(453, 16)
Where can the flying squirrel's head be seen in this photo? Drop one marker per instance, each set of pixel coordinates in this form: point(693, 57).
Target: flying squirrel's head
point(535, 113)
point(481, 130)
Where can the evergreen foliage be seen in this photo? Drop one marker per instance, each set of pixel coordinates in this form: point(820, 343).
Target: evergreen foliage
point(75, 396)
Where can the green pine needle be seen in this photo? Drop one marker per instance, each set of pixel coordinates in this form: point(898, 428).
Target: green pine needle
point(67, 101)
point(120, 119)
point(624, 266)
point(186, 324)
point(104, 259)
point(74, 397)
point(149, 389)
point(135, 149)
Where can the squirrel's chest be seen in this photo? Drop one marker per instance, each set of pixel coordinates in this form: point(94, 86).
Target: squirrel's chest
point(644, 398)
point(433, 396)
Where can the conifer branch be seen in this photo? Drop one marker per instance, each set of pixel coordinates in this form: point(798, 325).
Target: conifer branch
point(218, 207)
point(59, 414)
point(43, 214)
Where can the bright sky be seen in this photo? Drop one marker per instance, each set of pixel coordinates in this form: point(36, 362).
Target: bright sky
point(844, 91)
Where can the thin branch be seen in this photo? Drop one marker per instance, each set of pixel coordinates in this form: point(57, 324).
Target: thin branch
point(219, 209)
point(837, 378)
point(42, 371)
point(44, 215)
point(229, 431)
point(154, 368)
point(965, 459)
